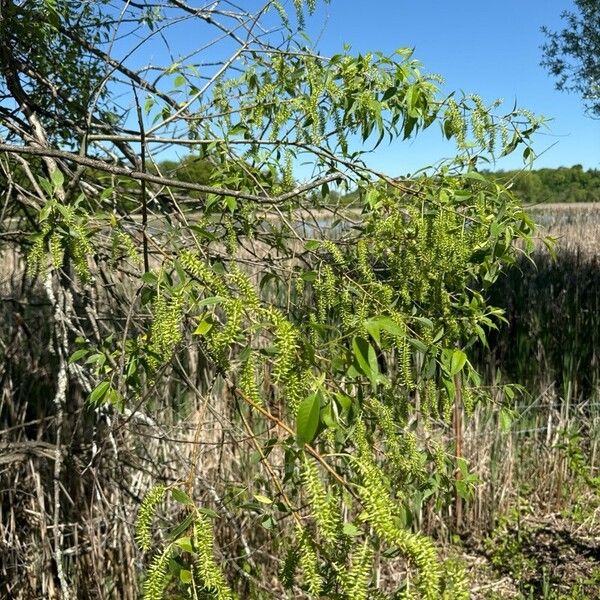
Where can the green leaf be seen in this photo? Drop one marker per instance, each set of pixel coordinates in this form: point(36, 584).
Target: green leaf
point(268, 522)
point(366, 359)
point(181, 527)
point(385, 324)
point(45, 211)
point(148, 104)
point(312, 245)
point(185, 576)
point(231, 203)
point(209, 513)
point(424, 321)
point(307, 420)
point(327, 415)
point(344, 401)
point(505, 420)
point(374, 330)
point(46, 186)
point(57, 178)
point(389, 93)
point(181, 497)
point(210, 301)
point(150, 278)
point(204, 326)
point(309, 276)
point(351, 530)
point(185, 543)
point(77, 355)
point(450, 388)
point(116, 399)
point(417, 345)
point(360, 348)
point(457, 362)
point(99, 392)
point(263, 499)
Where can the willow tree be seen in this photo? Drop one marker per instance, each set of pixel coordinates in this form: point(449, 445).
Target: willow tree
point(572, 55)
point(282, 361)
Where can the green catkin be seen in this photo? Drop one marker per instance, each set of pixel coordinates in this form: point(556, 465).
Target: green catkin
point(287, 179)
point(146, 516)
point(81, 250)
point(165, 331)
point(231, 237)
point(221, 341)
point(309, 563)
point(312, 103)
point(201, 270)
point(429, 401)
point(36, 259)
point(299, 287)
point(156, 580)
point(379, 512)
point(248, 380)
point(208, 571)
point(48, 241)
point(356, 580)
point(324, 508)
point(406, 368)
point(296, 389)
point(401, 448)
point(281, 117)
point(336, 253)
point(56, 250)
point(345, 308)
point(456, 581)
point(445, 405)
point(247, 292)
point(456, 123)
point(439, 456)
point(468, 400)
point(286, 343)
point(122, 245)
point(325, 292)
point(364, 268)
point(288, 570)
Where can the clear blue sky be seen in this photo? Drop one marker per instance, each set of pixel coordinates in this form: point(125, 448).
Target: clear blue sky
point(489, 48)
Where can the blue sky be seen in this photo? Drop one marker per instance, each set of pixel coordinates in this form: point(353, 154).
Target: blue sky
point(489, 48)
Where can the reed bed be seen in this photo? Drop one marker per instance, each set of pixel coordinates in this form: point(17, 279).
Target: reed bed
point(538, 457)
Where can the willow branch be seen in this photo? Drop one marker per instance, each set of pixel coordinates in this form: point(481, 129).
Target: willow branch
point(140, 176)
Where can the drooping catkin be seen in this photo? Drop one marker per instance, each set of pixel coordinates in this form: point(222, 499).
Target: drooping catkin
point(156, 579)
point(146, 516)
point(208, 571)
point(323, 504)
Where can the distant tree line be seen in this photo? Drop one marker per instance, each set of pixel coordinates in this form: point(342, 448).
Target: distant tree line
point(564, 184)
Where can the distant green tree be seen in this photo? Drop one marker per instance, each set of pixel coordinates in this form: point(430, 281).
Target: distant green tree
point(191, 169)
point(572, 55)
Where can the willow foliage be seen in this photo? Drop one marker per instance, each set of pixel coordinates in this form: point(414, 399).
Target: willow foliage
point(339, 334)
